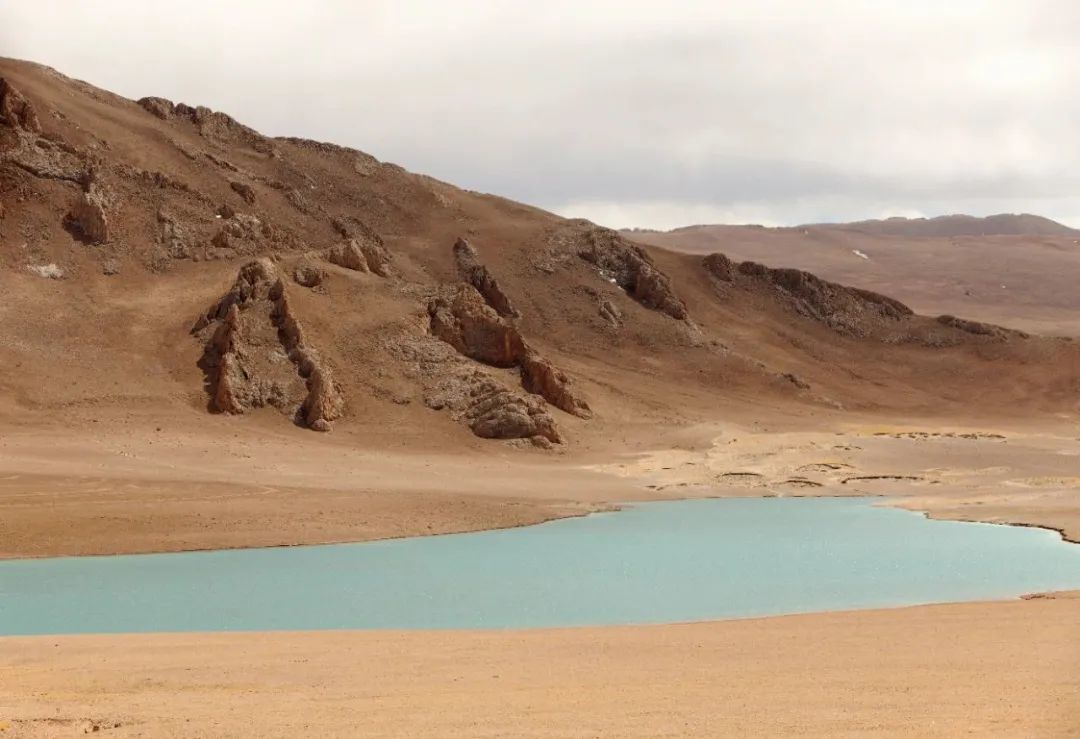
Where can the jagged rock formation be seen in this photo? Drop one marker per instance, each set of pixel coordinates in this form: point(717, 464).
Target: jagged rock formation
point(16, 111)
point(245, 234)
point(361, 255)
point(87, 214)
point(465, 321)
point(980, 329)
point(848, 310)
point(478, 275)
point(211, 124)
point(541, 377)
point(630, 267)
point(257, 356)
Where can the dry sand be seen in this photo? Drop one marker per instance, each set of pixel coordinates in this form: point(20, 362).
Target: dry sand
point(989, 669)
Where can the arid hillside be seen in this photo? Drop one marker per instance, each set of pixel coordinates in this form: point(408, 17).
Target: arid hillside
point(1016, 270)
point(162, 259)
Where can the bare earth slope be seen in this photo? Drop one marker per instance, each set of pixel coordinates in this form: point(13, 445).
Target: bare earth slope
point(187, 302)
point(1018, 271)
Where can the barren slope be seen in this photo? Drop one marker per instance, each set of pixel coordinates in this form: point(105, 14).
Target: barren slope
point(172, 275)
point(1019, 271)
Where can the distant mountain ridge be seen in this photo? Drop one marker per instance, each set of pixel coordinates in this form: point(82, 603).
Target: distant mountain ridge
point(1002, 224)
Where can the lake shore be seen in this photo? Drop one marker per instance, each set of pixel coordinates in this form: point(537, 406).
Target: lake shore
point(1000, 668)
point(182, 489)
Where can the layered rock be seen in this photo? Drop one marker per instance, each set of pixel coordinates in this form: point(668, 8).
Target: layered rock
point(478, 275)
point(256, 355)
point(361, 255)
point(630, 267)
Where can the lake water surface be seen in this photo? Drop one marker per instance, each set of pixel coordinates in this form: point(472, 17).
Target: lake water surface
point(655, 562)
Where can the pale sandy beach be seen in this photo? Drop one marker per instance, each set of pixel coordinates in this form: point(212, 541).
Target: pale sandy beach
point(988, 669)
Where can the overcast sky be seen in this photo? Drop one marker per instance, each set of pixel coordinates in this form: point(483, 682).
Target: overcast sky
point(629, 113)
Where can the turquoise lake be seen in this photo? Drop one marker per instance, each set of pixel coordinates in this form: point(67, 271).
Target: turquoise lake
point(656, 562)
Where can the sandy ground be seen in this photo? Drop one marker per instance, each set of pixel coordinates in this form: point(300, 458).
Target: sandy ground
point(183, 488)
point(989, 669)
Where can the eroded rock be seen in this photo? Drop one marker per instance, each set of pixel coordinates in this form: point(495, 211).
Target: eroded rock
point(309, 275)
point(244, 190)
point(256, 354)
point(630, 267)
point(478, 275)
point(15, 110)
point(464, 320)
point(541, 377)
point(87, 215)
point(498, 413)
point(361, 255)
point(848, 310)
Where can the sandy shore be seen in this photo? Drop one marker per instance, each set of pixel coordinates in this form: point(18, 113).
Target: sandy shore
point(989, 669)
point(148, 489)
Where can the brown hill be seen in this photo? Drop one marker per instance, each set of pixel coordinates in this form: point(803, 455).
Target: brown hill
point(1002, 224)
point(1023, 281)
point(164, 256)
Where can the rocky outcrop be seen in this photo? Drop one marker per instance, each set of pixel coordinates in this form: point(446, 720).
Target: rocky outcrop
point(87, 215)
point(174, 237)
point(361, 255)
point(541, 377)
point(244, 190)
point(631, 268)
point(478, 275)
point(308, 275)
point(256, 354)
point(494, 412)
point(16, 111)
point(210, 123)
point(246, 234)
point(719, 266)
point(847, 310)
point(980, 329)
point(464, 320)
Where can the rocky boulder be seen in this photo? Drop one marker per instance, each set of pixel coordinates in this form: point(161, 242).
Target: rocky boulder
point(361, 255)
point(464, 320)
point(498, 413)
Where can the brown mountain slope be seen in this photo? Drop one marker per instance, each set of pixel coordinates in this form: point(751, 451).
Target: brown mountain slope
point(1022, 281)
point(126, 222)
point(187, 301)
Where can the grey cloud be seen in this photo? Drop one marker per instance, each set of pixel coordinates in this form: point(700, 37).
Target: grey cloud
point(775, 110)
